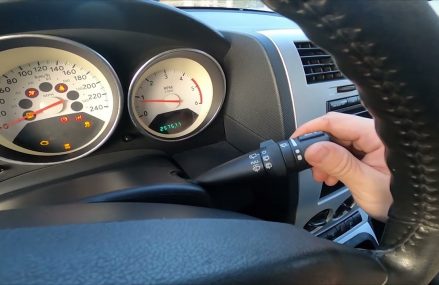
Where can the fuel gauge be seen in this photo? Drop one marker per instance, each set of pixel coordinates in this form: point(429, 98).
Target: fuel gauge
point(176, 94)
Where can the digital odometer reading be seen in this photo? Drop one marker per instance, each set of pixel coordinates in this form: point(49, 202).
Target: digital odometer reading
point(173, 122)
point(169, 127)
point(52, 107)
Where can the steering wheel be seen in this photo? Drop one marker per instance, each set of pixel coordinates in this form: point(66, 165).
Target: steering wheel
point(386, 49)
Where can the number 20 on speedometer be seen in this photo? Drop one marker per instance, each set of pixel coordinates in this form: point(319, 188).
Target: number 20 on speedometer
point(176, 94)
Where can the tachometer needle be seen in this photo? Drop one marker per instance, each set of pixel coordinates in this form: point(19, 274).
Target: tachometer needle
point(39, 111)
point(161, 101)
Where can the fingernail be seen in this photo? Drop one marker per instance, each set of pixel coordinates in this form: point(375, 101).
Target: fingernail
point(316, 153)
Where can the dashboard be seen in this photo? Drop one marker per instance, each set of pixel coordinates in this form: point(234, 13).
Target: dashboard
point(104, 101)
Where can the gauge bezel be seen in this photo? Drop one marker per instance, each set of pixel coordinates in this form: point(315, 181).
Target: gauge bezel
point(209, 63)
point(38, 40)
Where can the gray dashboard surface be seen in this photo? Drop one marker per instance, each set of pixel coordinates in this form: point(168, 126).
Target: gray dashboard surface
point(232, 20)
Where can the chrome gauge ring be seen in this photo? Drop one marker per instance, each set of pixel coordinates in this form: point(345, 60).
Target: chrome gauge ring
point(176, 94)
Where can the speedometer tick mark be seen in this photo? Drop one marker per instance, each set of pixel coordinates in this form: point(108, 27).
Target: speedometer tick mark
point(87, 73)
point(20, 67)
point(5, 76)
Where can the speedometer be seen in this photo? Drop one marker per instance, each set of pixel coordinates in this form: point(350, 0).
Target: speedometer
point(59, 100)
point(176, 94)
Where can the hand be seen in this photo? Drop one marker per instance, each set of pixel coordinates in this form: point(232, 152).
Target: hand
point(368, 178)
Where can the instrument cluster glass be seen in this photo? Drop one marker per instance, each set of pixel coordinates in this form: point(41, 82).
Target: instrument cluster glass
point(59, 100)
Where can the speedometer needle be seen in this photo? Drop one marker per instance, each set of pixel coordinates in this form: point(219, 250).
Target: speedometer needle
point(162, 101)
point(39, 111)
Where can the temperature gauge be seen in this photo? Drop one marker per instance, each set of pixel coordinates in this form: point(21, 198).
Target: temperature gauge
point(176, 94)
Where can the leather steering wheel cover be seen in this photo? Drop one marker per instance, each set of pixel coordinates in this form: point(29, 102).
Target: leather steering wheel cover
point(388, 49)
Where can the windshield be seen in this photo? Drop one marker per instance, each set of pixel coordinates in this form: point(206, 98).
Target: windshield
point(231, 4)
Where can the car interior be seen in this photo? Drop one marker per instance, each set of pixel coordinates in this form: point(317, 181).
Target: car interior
point(144, 143)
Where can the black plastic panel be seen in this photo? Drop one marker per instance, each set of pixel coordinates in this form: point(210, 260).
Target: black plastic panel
point(145, 176)
point(196, 161)
point(251, 87)
point(70, 214)
point(133, 16)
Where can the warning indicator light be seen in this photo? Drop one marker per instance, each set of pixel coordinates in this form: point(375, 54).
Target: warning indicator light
point(29, 115)
point(67, 146)
point(87, 124)
point(64, 119)
point(44, 142)
point(78, 118)
point(61, 87)
point(31, 92)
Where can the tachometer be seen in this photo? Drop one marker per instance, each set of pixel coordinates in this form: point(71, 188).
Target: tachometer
point(59, 100)
point(176, 94)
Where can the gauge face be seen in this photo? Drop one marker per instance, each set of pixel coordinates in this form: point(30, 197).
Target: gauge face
point(58, 101)
point(176, 94)
point(50, 108)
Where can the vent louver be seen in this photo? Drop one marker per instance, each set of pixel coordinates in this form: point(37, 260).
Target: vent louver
point(317, 64)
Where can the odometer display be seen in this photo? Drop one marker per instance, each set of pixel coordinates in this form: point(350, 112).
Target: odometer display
point(176, 94)
point(173, 122)
point(58, 100)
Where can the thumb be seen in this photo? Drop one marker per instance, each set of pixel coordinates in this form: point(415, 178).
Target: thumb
point(336, 161)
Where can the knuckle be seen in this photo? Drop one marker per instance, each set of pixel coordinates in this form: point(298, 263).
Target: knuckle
point(344, 167)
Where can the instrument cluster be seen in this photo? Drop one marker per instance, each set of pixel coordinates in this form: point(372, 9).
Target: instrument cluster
point(60, 100)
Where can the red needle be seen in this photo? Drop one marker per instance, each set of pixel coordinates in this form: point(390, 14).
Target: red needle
point(16, 121)
point(48, 107)
point(162, 101)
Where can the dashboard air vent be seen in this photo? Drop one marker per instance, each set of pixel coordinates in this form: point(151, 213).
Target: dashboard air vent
point(348, 105)
point(318, 65)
